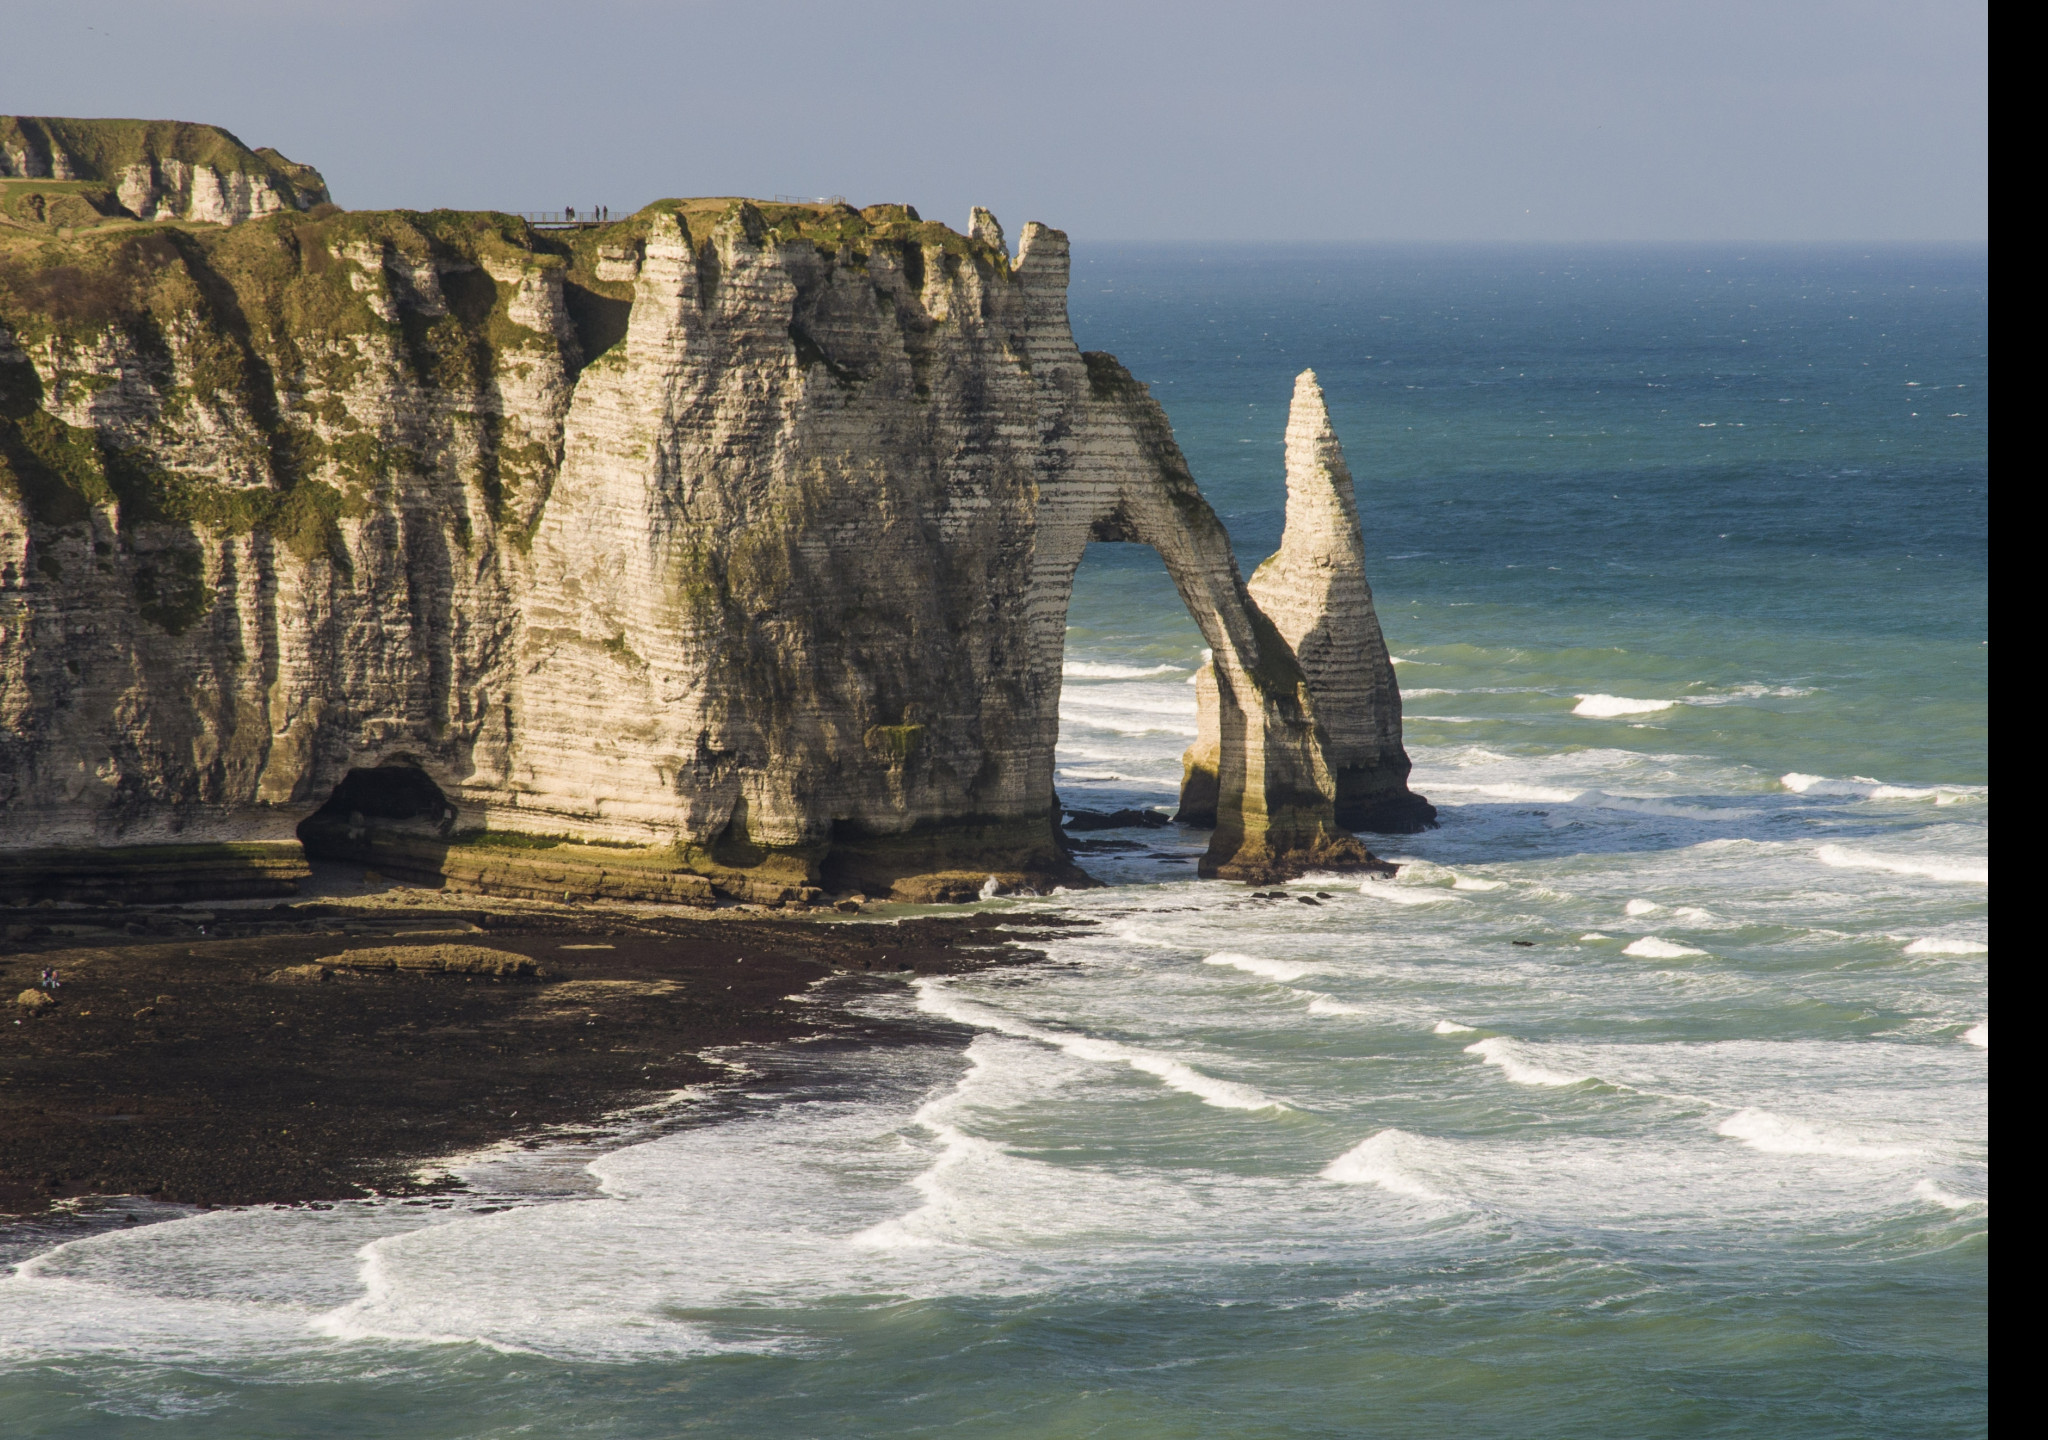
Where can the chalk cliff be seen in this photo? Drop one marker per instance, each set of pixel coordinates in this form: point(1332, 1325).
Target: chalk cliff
point(1314, 590)
point(724, 549)
point(145, 170)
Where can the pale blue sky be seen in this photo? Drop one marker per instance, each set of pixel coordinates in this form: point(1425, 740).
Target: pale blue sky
point(1289, 119)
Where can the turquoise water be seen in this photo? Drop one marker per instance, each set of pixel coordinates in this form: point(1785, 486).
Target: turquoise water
point(1683, 558)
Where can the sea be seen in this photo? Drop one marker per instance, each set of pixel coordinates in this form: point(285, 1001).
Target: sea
point(1651, 1098)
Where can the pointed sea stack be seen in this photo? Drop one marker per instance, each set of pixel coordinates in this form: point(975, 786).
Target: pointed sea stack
point(1314, 590)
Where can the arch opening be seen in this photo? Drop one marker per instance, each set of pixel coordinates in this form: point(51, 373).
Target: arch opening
point(1127, 713)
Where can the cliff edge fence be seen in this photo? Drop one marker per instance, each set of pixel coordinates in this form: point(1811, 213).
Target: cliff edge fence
point(722, 549)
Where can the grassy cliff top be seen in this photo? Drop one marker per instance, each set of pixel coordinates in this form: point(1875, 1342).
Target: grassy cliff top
point(61, 148)
point(85, 273)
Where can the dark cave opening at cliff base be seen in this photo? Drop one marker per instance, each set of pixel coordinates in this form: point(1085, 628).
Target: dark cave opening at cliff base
point(1127, 709)
point(392, 793)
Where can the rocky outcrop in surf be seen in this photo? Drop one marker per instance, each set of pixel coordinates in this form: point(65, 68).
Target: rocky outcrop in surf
point(1314, 590)
point(724, 549)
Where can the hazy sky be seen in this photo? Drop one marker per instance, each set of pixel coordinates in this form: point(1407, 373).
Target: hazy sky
point(1288, 119)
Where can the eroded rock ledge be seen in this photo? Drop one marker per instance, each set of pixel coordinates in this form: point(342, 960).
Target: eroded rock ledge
point(723, 549)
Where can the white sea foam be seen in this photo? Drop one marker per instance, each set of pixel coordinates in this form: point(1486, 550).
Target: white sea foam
point(1776, 1135)
point(914, 1231)
point(1325, 1005)
point(1934, 945)
point(1929, 1191)
point(1176, 1074)
point(1467, 882)
point(1265, 969)
point(1529, 794)
point(1978, 1035)
point(1395, 893)
point(1098, 670)
point(1650, 947)
point(1377, 1161)
point(1452, 1027)
point(1594, 935)
point(1959, 871)
point(1607, 707)
point(1862, 787)
point(1641, 907)
point(1749, 692)
point(1510, 1058)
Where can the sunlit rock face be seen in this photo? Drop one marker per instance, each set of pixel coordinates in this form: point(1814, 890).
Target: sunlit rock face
point(1314, 590)
point(726, 548)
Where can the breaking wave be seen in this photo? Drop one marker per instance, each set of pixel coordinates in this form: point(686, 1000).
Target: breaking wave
point(1929, 1191)
point(1607, 707)
point(1952, 872)
point(1936, 946)
point(1651, 947)
point(1775, 1135)
point(1502, 1053)
point(1176, 1074)
point(1862, 787)
point(1325, 1005)
point(1264, 969)
point(1376, 1161)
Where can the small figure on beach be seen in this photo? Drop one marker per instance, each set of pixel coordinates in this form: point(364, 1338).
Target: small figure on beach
point(50, 980)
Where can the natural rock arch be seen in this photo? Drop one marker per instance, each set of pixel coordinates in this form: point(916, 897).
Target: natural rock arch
point(767, 597)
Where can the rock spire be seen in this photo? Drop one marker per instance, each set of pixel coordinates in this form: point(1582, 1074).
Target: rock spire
point(982, 225)
point(1314, 590)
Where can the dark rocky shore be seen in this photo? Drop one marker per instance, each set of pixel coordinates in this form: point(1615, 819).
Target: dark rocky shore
point(206, 1055)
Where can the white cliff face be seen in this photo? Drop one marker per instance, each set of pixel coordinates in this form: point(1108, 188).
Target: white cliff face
point(774, 585)
point(246, 587)
point(1314, 590)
